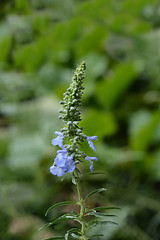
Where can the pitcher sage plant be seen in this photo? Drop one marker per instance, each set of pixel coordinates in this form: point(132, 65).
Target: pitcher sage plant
point(69, 156)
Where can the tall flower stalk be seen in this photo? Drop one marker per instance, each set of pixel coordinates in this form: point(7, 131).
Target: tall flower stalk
point(69, 156)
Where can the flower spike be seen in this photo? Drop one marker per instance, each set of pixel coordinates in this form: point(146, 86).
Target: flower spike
point(70, 154)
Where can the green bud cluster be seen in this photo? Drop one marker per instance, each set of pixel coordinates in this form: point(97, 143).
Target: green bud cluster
point(71, 114)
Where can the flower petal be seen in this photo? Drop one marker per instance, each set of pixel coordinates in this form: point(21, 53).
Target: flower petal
point(91, 159)
point(92, 138)
point(59, 133)
point(89, 139)
point(61, 158)
point(58, 140)
point(70, 164)
point(57, 171)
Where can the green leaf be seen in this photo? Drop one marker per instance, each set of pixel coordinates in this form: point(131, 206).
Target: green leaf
point(61, 218)
point(57, 205)
point(54, 238)
point(106, 208)
point(76, 214)
point(111, 89)
point(95, 191)
point(96, 235)
point(92, 173)
point(146, 126)
point(75, 236)
point(73, 180)
point(71, 231)
point(96, 222)
point(97, 214)
point(5, 41)
point(106, 126)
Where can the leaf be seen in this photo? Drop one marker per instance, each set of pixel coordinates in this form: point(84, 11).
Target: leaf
point(77, 214)
point(71, 231)
point(106, 208)
point(96, 222)
point(96, 235)
point(57, 205)
point(111, 89)
point(141, 137)
point(106, 126)
point(61, 218)
point(44, 226)
point(92, 173)
point(53, 238)
point(5, 41)
point(73, 180)
point(75, 236)
point(95, 191)
point(97, 214)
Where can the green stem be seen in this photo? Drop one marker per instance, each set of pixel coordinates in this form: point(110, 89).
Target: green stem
point(82, 209)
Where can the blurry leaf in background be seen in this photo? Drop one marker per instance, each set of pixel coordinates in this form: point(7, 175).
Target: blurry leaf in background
point(89, 41)
point(19, 83)
point(143, 127)
point(96, 68)
point(150, 51)
point(22, 5)
point(5, 41)
point(25, 151)
point(20, 28)
point(99, 123)
point(116, 83)
point(153, 165)
point(31, 56)
point(115, 156)
point(34, 126)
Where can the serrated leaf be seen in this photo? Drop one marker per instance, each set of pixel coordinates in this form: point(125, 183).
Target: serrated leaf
point(57, 205)
point(106, 208)
point(96, 235)
point(61, 218)
point(95, 191)
point(71, 231)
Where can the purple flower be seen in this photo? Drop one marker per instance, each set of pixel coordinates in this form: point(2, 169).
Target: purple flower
point(89, 139)
point(58, 140)
point(55, 170)
point(91, 159)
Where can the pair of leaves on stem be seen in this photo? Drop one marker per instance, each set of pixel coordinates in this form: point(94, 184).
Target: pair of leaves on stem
point(75, 232)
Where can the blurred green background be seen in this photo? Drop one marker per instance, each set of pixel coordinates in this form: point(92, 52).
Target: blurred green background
point(41, 43)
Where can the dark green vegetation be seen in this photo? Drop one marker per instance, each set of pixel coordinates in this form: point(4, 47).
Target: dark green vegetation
point(41, 42)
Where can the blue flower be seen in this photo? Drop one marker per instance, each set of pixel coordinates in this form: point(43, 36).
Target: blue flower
point(89, 139)
point(61, 158)
point(70, 164)
point(91, 159)
point(55, 170)
point(62, 163)
point(58, 140)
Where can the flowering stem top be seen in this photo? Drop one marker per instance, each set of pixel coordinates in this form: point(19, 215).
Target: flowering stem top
point(70, 155)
